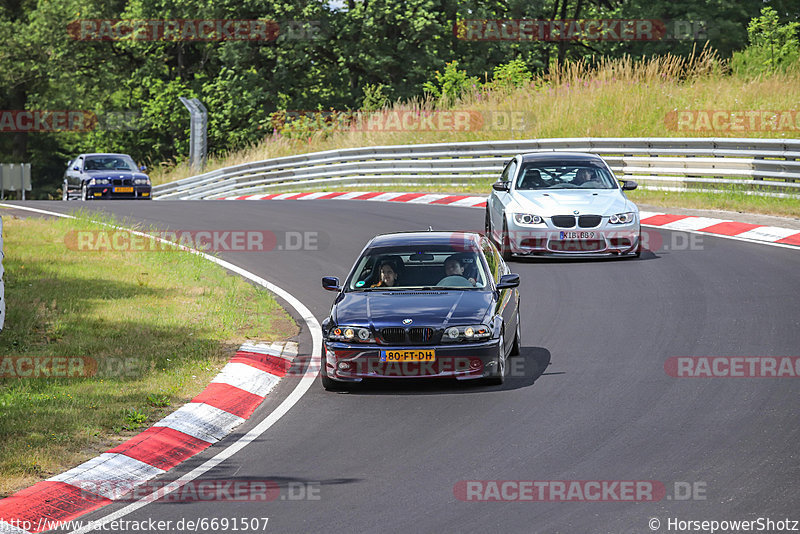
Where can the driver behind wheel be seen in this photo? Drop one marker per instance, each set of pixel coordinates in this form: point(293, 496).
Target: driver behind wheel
point(583, 176)
point(453, 266)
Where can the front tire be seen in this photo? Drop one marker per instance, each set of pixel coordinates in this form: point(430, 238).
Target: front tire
point(84, 193)
point(328, 383)
point(638, 253)
point(65, 192)
point(499, 376)
point(505, 243)
point(516, 347)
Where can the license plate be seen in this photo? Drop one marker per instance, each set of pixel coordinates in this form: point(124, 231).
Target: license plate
point(123, 190)
point(408, 355)
point(576, 235)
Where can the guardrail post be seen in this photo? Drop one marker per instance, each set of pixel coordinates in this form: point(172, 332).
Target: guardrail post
point(15, 177)
point(198, 132)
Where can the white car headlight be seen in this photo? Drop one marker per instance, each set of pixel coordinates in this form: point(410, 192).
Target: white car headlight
point(527, 218)
point(622, 218)
point(99, 181)
point(351, 334)
point(141, 181)
point(476, 332)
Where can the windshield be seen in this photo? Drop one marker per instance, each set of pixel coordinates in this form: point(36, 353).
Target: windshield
point(415, 269)
point(109, 163)
point(581, 175)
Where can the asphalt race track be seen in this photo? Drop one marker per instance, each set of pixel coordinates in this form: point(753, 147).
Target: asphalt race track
point(387, 458)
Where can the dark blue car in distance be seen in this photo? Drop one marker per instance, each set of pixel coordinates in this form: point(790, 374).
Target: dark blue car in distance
point(103, 176)
point(422, 305)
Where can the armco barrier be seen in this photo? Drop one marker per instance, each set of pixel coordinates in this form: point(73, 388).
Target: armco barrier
point(760, 166)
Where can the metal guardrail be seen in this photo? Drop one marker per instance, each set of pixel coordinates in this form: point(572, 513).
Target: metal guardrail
point(760, 166)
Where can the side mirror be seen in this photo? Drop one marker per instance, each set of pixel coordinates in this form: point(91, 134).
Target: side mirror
point(629, 185)
point(143, 168)
point(331, 283)
point(507, 281)
point(501, 186)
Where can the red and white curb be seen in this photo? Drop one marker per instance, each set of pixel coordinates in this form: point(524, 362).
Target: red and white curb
point(756, 233)
point(228, 401)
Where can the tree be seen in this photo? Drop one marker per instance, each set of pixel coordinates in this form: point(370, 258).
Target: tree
point(772, 46)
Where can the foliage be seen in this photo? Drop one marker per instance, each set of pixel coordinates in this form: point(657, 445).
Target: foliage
point(364, 54)
point(452, 84)
point(773, 47)
point(511, 75)
point(374, 99)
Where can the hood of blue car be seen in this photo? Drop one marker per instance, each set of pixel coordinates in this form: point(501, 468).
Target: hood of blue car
point(424, 308)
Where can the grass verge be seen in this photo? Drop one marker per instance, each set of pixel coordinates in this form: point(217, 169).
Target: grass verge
point(150, 329)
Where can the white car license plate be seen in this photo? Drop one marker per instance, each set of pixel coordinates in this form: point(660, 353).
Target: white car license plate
point(576, 235)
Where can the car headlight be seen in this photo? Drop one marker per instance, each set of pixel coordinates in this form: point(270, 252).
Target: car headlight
point(99, 181)
point(527, 218)
point(351, 334)
point(141, 181)
point(476, 332)
point(622, 218)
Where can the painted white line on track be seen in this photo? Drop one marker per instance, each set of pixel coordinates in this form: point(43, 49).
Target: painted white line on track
point(294, 397)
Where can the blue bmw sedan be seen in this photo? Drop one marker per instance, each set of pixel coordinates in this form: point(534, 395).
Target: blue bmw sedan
point(422, 305)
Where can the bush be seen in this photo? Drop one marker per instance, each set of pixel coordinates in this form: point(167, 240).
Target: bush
point(511, 75)
point(773, 47)
point(374, 99)
point(451, 85)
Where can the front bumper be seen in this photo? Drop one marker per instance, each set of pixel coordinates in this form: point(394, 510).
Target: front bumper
point(545, 239)
point(462, 361)
point(117, 191)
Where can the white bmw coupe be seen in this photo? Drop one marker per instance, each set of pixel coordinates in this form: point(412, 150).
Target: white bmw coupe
point(562, 204)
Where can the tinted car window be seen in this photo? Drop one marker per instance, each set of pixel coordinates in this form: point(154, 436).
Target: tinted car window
point(578, 175)
point(109, 163)
point(508, 172)
point(415, 268)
